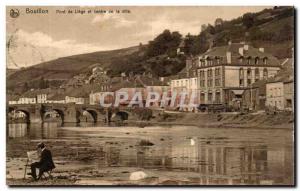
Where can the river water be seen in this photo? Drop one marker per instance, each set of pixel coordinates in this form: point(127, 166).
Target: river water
point(204, 156)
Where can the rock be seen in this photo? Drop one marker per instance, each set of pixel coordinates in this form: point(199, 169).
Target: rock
point(138, 175)
point(145, 143)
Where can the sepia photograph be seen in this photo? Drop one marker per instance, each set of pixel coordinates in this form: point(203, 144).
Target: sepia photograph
point(150, 96)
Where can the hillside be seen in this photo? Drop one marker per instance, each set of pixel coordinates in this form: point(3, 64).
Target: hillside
point(67, 67)
point(272, 29)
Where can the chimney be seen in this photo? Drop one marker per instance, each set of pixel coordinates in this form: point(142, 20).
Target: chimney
point(246, 47)
point(261, 50)
point(228, 55)
point(241, 51)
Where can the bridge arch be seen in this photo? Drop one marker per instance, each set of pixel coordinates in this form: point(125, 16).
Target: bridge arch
point(121, 115)
point(13, 111)
point(48, 112)
point(88, 114)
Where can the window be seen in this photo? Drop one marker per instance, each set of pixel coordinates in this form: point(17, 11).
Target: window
point(241, 74)
point(249, 73)
point(241, 60)
point(248, 82)
point(209, 82)
point(256, 60)
point(265, 60)
point(209, 97)
point(241, 82)
point(217, 82)
point(202, 98)
point(218, 97)
point(256, 74)
point(217, 72)
point(249, 61)
point(265, 73)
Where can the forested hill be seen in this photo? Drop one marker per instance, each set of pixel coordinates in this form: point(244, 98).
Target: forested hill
point(272, 29)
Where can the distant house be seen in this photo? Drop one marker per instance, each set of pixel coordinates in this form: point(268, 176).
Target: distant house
point(280, 90)
point(76, 100)
point(152, 84)
point(41, 98)
point(27, 100)
point(56, 98)
point(254, 97)
point(218, 22)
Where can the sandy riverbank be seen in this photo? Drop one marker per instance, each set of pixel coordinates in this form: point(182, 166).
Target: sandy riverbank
point(226, 120)
point(103, 156)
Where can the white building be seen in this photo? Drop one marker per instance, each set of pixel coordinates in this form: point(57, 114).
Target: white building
point(76, 100)
point(41, 98)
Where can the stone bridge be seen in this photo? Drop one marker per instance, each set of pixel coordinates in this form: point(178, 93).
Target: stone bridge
point(69, 113)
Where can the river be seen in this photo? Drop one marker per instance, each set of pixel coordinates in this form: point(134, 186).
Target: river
point(185, 155)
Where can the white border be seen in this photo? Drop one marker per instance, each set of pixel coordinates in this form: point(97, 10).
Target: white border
point(4, 3)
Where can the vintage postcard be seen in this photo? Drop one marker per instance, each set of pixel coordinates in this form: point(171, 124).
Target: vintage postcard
point(150, 95)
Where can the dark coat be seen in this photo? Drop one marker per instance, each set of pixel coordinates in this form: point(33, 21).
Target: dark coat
point(46, 163)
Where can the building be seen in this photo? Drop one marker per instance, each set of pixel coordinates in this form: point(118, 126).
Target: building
point(76, 100)
point(41, 98)
point(254, 98)
point(152, 84)
point(218, 22)
point(225, 72)
point(185, 85)
point(280, 90)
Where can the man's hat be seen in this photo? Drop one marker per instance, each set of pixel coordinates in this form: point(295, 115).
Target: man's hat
point(41, 145)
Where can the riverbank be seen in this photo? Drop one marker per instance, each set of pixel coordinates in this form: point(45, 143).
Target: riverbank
point(221, 120)
point(166, 153)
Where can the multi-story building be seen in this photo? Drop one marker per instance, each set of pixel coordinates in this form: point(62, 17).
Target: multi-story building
point(224, 72)
point(280, 91)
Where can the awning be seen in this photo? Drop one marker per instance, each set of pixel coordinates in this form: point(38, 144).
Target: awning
point(238, 92)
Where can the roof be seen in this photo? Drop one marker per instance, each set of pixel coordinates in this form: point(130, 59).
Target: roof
point(148, 81)
point(252, 52)
point(261, 85)
point(284, 75)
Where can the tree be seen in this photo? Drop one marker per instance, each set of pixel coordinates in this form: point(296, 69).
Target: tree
point(248, 20)
point(164, 43)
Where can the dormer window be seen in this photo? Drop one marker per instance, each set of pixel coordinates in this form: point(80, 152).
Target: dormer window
point(241, 59)
point(265, 61)
point(256, 60)
point(249, 60)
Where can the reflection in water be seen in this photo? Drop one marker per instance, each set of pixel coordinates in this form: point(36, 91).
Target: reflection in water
point(215, 161)
point(215, 164)
point(47, 131)
point(16, 130)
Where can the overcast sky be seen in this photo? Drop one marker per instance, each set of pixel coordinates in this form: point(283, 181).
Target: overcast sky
point(41, 37)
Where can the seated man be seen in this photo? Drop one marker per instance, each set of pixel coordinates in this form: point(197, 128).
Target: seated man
point(45, 164)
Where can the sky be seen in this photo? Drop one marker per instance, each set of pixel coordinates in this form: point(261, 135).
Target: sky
point(35, 38)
